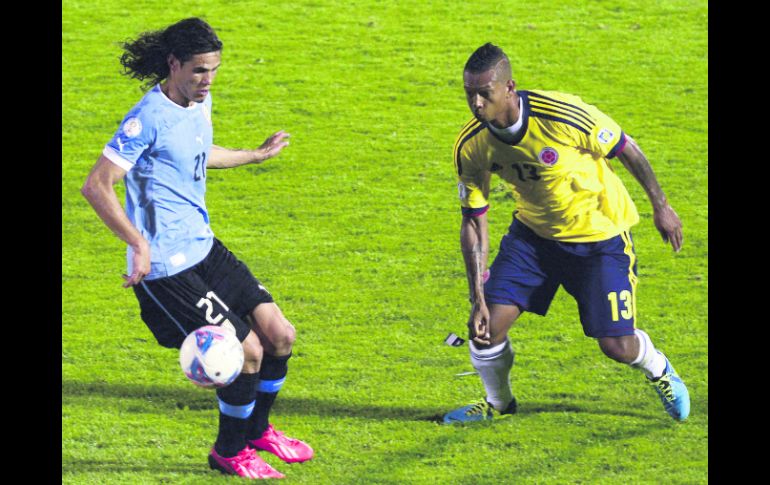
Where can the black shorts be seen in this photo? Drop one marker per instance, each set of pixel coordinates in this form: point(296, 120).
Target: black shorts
point(218, 290)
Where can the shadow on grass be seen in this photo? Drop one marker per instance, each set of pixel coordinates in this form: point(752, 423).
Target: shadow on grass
point(76, 467)
point(533, 407)
point(194, 399)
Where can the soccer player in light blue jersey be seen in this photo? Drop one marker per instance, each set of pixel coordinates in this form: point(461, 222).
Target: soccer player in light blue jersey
point(182, 275)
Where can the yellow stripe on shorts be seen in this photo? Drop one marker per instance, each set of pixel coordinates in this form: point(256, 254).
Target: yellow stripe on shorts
point(632, 278)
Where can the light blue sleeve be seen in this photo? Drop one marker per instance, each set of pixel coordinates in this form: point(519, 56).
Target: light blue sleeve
point(136, 134)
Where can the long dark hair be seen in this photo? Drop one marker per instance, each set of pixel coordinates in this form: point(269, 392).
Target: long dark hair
point(146, 58)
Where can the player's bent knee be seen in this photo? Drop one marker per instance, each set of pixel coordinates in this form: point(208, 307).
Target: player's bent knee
point(284, 340)
point(502, 318)
point(252, 353)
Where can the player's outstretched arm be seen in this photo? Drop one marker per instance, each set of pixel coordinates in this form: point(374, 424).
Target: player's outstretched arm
point(666, 220)
point(227, 158)
point(474, 241)
point(99, 191)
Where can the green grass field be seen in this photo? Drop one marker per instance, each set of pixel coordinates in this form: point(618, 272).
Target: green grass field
point(355, 230)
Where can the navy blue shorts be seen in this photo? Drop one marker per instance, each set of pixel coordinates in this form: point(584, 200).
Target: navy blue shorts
point(220, 290)
point(601, 276)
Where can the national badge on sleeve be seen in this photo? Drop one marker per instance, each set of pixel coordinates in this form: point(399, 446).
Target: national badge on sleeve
point(132, 127)
point(462, 190)
point(605, 136)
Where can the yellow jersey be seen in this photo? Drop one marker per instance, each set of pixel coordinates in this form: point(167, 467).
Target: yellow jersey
point(557, 166)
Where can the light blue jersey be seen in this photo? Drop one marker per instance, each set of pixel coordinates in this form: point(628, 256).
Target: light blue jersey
point(164, 148)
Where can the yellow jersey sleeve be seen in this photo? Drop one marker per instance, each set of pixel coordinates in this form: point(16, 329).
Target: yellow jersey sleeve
point(472, 178)
point(606, 137)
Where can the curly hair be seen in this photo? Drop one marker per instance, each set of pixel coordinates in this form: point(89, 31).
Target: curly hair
point(146, 58)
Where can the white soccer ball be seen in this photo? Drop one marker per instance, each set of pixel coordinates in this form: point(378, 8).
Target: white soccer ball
point(211, 356)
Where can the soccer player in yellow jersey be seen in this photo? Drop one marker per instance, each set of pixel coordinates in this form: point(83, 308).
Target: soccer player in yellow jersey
point(571, 227)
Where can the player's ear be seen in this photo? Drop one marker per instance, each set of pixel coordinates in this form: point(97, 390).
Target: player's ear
point(510, 86)
point(173, 63)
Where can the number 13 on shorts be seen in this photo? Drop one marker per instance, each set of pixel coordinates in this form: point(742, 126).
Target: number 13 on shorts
point(621, 305)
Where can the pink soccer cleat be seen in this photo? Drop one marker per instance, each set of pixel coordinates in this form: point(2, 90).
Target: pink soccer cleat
point(287, 449)
point(245, 464)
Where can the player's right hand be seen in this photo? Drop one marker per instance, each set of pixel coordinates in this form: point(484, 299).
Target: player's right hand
point(478, 324)
point(140, 265)
point(669, 226)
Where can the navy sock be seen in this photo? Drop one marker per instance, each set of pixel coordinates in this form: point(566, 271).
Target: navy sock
point(236, 403)
point(272, 374)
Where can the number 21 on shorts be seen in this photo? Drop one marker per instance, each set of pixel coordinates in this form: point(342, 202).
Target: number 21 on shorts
point(213, 320)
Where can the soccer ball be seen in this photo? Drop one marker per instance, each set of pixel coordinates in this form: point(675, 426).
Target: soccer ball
point(211, 356)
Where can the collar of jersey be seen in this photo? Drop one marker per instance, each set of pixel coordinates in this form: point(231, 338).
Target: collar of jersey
point(163, 95)
point(524, 122)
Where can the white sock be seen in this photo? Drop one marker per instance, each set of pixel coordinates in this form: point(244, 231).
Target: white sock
point(650, 361)
point(494, 366)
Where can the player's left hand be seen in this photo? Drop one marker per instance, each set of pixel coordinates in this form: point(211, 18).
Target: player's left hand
point(273, 145)
point(669, 226)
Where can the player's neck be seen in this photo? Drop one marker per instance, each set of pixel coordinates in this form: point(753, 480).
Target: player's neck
point(174, 94)
point(511, 115)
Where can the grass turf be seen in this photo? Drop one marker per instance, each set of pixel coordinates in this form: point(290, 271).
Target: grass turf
point(355, 229)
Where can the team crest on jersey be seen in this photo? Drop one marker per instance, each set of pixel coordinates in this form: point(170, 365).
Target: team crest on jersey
point(548, 156)
point(463, 191)
point(206, 113)
point(605, 136)
point(132, 127)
